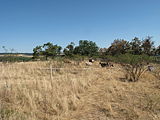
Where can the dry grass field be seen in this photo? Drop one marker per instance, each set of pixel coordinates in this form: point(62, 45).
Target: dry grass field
point(28, 92)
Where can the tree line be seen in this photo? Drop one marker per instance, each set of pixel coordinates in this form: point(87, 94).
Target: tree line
point(89, 48)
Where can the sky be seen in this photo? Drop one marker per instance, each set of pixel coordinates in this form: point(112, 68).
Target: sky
point(24, 24)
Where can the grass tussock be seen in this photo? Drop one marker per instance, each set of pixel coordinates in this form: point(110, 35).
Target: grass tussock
point(28, 91)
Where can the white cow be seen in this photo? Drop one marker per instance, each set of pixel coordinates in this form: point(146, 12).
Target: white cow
point(88, 63)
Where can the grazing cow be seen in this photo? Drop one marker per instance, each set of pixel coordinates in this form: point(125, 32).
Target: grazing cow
point(88, 63)
point(67, 61)
point(106, 64)
point(111, 65)
point(91, 60)
point(150, 68)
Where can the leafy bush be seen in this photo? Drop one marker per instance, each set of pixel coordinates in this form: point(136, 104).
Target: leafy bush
point(134, 65)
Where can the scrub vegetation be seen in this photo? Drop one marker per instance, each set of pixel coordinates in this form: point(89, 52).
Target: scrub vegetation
point(57, 84)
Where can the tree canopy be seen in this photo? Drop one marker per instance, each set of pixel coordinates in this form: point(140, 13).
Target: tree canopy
point(89, 48)
point(47, 50)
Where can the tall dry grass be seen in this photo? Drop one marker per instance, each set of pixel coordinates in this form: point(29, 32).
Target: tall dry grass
point(28, 92)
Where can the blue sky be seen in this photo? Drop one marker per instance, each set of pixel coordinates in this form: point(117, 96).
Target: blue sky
point(27, 23)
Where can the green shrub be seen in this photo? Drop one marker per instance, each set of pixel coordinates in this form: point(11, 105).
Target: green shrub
point(134, 65)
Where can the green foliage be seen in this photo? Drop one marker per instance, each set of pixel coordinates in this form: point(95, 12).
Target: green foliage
point(134, 65)
point(79, 57)
point(86, 48)
point(158, 50)
point(119, 46)
point(37, 51)
point(68, 51)
point(148, 45)
point(90, 49)
point(47, 50)
point(51, 50)
point(14, 59)
point(136, 47)
point(133, 59)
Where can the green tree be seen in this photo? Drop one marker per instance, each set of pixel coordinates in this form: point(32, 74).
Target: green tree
point(136, 47)
point(158, 50)
point(47, 50)
point(119, 46)
point(37, 51)
point(147, 45)
point(86, 48)
point(68, 51)
point(134, 65)
point(51, 50)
